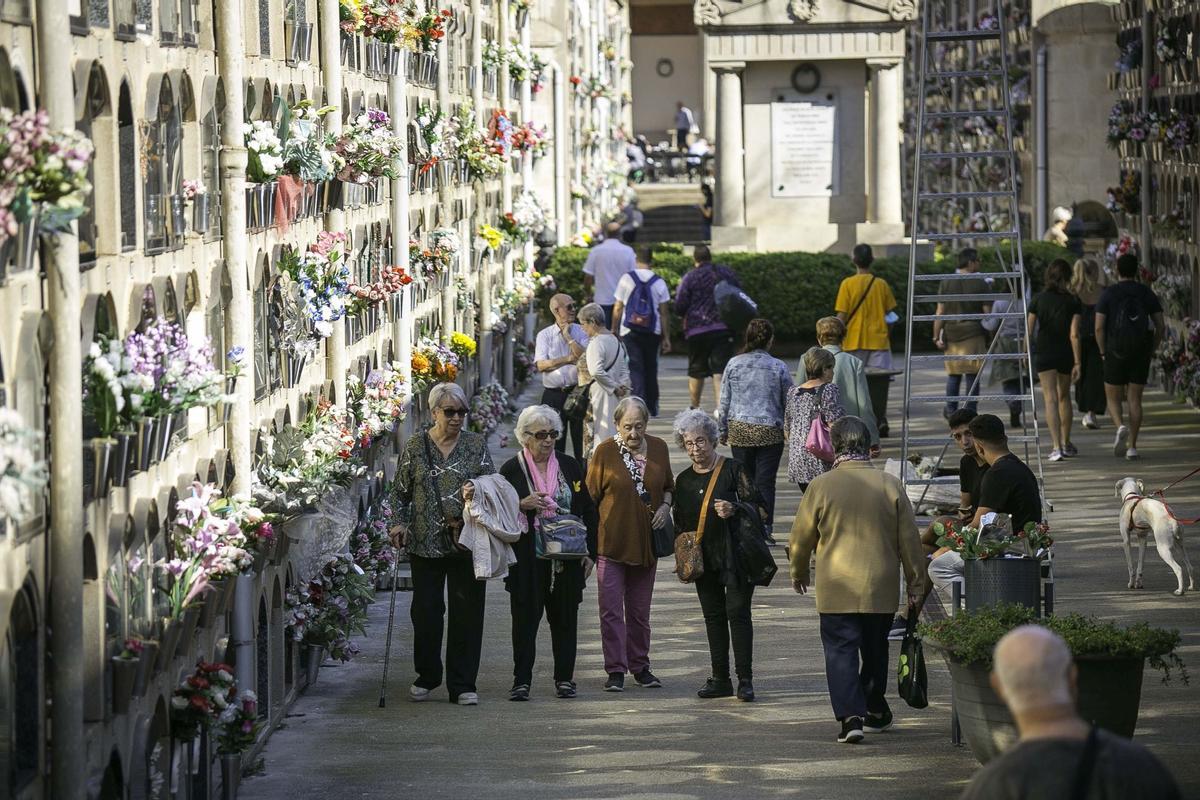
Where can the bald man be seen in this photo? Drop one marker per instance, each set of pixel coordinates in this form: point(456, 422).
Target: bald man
point(1059, 755)
point(555, 352)
point(606, 264)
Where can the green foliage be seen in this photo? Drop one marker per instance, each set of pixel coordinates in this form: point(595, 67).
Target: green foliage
point(970, 637)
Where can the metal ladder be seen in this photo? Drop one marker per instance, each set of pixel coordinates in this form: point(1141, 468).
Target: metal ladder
point(949, 68)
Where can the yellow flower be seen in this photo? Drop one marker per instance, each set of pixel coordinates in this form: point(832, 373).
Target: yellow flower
point(462, 344)
point(492, 236)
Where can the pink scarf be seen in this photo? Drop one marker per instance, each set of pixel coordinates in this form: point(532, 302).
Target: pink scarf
point(547, 485)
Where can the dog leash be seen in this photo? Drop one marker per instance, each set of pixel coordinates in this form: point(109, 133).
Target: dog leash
point(1162, 494)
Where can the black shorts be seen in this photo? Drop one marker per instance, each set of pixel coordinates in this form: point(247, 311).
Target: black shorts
point(708, 353)
point(1059, 362)
point(1123, 371)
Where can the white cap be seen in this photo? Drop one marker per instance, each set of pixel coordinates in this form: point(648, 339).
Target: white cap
point(1061, 214)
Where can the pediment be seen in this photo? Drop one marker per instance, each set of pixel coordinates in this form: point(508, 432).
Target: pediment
point(792, 13)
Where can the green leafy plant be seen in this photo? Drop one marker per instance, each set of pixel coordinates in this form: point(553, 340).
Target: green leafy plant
point(970, 637)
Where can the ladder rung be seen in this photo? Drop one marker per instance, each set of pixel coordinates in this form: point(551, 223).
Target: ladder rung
point(968, 317)
point(962, 276)
point(964, 35)
point(969, 154)
point(965, 73)
point(946, 237)
point(969, 357)
point(941, 480)
point(955, 398)
point(962, 195)
point(981, 112)
point(952, 451)
point(957, 298)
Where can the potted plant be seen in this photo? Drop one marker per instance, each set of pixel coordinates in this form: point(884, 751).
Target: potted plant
point(237, 730)
point(325, 612)
point(1110, 662)
point(999, 567)
point(125, 668)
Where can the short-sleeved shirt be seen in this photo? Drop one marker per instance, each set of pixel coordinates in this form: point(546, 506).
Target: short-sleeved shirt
point(970, 478)
point(658, 291)
point(606, 263)
point(551, 344)
point(1009, 486)
point(962, 330)
point(1054, 311)
point(867, 329)
point(1113, 296)
point(1123, 770)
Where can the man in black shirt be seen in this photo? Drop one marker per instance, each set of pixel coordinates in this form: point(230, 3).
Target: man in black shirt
point(1009, 486)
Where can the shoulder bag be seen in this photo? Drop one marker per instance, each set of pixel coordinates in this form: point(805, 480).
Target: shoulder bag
point(861, 300)
point(755, 561)
point(579, 399)
point(689, 558)
point(451, 529)
point(562, 537)
point(819, 443)
point(912, 683)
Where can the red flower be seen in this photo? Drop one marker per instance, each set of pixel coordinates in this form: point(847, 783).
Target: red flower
point(576, 80)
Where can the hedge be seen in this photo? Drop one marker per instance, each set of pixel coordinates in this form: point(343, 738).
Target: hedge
point(794, 290)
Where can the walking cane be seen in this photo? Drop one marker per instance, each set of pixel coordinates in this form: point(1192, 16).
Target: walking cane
point(387, 647)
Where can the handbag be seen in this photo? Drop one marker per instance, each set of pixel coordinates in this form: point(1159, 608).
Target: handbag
point(662, 540)
point(579, 399)
point(451, 529)
point(819, 442)
point(755, 561)
point(562, 537)
point(689, 558)
point(912, 683)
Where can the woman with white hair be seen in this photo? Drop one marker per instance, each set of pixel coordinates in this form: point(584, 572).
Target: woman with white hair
point(629, 477)
point(1057, 232)
point(432, 485)
point(706, 497)
point(608, 368)
point(549, 483)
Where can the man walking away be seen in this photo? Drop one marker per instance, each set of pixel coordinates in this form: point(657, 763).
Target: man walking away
point(962, 337)
point(684, 122)
point(1129, 327)
point(709, 340)
point(1033, 672)
point(605, 265)
point(642, 305)
point(555, 352)
point(864, 303)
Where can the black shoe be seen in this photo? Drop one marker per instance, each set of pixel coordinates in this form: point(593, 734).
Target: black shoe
point(745, 690)
point(878, 723)
point(615, 682)
point(852, 731)
point(646, 679)
point(899, 628)
point(520, 692)
point(1014, 419)
point(884, 430)
point(565, 689)
point(716, 687)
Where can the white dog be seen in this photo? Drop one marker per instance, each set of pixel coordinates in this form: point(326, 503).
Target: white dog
point(1141, 515)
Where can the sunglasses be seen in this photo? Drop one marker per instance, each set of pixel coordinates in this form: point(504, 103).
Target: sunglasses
point(542, 436)
point(454, 412)
point(569, 307)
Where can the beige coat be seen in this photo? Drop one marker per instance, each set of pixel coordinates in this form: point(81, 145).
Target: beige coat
point(491, 523)
point(860, 524)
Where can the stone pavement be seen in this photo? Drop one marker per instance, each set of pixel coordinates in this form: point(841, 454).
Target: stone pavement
point(666, 743)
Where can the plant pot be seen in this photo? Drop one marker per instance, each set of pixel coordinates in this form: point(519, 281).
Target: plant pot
point(210, 608)
point(102, 455)
point(146, 429)
point(124, 674)
point(200, 207)
point(162, 436)
point(124, 452)
point(187, 632)
point(178, 214)
point(992, 581)
point(295, 368)
point(522, 17)
point(27, 241)
point(315, 654)
point(172, 628)
point(283, 544)
point(145, 667)
point(231, 775)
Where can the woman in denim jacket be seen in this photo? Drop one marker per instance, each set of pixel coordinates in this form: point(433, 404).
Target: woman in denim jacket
point(750, 415)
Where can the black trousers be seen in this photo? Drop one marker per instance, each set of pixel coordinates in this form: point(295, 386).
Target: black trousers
point(558, 596)
point(762, 465)
point(856, 690)
point(727, 616)
point(434, 579)
point(555, 399)
point(643, 349)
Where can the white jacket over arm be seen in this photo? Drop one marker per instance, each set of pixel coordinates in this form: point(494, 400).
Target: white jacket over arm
point(491, 522)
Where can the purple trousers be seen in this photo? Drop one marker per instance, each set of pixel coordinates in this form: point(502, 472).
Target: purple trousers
point(625, 592)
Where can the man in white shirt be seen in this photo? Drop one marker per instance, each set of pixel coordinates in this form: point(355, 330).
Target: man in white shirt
point(684, 122)
point(642, 305)
point(605, 265)
point(556, 350)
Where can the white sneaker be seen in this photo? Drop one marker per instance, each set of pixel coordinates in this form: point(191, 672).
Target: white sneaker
point(468, 699)
point(1120, 442)
point(1089, 421)
point(1056, 455)
point(419, 694)
point(1132, 454)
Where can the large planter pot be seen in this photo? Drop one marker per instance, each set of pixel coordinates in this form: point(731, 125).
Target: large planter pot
point(314, 655)
point(231, 775)
point(145, 667)
point(124, 675)
point(993, 581)
point(1110, 691)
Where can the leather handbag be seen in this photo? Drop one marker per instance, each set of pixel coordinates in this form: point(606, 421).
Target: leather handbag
point(662, 541)
point(689, 558)
point(451, 529)
point(819, 443)
point(561, 538)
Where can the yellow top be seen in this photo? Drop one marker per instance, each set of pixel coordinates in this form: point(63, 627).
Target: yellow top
point(866, 330)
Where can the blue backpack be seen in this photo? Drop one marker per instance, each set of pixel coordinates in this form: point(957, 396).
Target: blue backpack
point(641, 312)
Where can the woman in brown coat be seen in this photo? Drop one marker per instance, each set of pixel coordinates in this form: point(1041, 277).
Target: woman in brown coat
point(629, 478)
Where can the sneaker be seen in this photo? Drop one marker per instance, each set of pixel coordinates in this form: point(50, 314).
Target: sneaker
point(468, 699)
point(646, 679)
point(519, 693)
point(1119, 443)
point(899, 628)
point(1056, 455)
point(852, 731)
point(615, 682)
point(419, 694)
point(878, 723)
point(1070, 451)
point(565, 689)
point(716, 687)
point(1089, 421)
point(1132, 454)
point(745, 690)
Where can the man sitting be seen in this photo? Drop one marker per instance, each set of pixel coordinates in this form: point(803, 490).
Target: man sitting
point(1058, 755)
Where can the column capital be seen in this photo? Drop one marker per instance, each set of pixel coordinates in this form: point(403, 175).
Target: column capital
point(728, 67)
point(882, 63)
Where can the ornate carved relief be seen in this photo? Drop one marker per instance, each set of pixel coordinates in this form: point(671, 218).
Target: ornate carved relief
point(802, 10)
point(706, 12)
point(902, 10)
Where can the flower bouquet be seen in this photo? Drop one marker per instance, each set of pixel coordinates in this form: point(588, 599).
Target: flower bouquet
point(369, 148)
point(471, 144)
point(463, 346)
point(207, 547)
point(370, 544)
point(429, 29)
point(432, 362)
point(331, 607)
point(530, 138)
point(201, 698)
point(43, 173)
point(433, 144)
point(22, 468)
point(489, 237)
point(320, 280)
point(384, 20)
point(391, 280)
point(528, 214)
point(500, 132)
point(350, 14)
point(257, 526)
point(265, 151)
point(238, 724)
point(308, 151)
point(379, 402)
point(488, 407)
point(303, 463)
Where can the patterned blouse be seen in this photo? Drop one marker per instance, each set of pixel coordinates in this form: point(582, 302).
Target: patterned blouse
point(413, 488)
point(802, 405)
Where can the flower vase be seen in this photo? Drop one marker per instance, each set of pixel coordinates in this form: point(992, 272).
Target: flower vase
point(146, 429)
point(522, 17)
point(211, 608)
point(191, 618)
point(252, 206)
point(178, 215)
point(282, 545)
point(126, 442)
point(394, 55)
point(102, 454)
point(296, 366)
point(124, 675)
point(226, 405)
point(145, 667)
point(269, 191)
point(162, 436)
point(315, 654)
point(27, 240)
point(464, 170)
point(231, 772)
point(200, 207)
point(170, 638)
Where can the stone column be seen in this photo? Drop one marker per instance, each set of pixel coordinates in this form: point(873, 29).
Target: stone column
point(730, 208)
point(884, 194)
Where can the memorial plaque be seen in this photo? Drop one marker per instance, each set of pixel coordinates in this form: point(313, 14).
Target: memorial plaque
point(803, 157)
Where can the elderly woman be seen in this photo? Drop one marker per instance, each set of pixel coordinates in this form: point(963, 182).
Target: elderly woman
point(725, 594)
point(608, 371)
point(858, 521)
point(817, 397)
point(629, 477)
point(549, 483)
point(431, 487)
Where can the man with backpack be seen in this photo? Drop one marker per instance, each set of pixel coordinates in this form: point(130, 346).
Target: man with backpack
point(709, 339)
point(642, 298)
point(1129, 327)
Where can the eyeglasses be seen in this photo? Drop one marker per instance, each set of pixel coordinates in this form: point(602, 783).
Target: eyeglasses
point(569, 307)
point(542, 436)
point(454, 412)
point(699, 444)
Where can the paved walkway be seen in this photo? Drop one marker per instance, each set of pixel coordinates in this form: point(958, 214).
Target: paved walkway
point(668, 744)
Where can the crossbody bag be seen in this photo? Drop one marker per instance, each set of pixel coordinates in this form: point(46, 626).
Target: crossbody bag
point(579, 399)
point(689, 558)
point(562, 537)
point(451, 529)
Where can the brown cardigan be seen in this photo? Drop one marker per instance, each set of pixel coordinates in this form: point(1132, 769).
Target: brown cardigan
point(624, 521)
